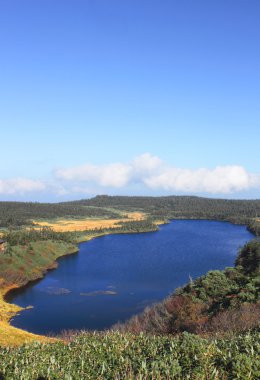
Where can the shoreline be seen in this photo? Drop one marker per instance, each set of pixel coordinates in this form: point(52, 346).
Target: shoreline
point(9, 310)
point(6, 293)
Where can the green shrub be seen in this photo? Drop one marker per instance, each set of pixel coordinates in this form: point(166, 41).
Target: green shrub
point(126, 356)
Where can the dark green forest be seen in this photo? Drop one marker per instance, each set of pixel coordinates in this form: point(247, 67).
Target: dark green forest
point(238, 211)
point(21, 213)
point(170, 207)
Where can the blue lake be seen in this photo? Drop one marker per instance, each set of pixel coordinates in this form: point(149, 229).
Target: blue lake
point(116, 276)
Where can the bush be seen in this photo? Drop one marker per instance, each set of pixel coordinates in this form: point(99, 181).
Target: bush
point(125, 356)
point(249, 257)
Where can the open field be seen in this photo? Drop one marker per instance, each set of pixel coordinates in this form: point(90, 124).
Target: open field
point(65, 225)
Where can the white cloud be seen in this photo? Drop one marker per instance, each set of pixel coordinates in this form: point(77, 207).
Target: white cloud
point(221, 180)
point(146, 163)
point(115, 175)
point(110, 175)
point(151, 172)
point(145, 172)
point(20, 186)
point(255, 180)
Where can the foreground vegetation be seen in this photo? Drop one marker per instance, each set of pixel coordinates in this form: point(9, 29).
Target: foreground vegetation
point(126, 356)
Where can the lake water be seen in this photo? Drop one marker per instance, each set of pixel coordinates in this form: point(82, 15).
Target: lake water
point(116, 276)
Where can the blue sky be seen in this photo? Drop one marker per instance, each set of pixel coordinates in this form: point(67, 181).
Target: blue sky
point(129, 97)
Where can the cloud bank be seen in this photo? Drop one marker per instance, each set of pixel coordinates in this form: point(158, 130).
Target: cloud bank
point(152, 173)
point(147, 172)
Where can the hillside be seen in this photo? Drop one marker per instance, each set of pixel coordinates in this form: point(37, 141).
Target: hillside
point(238, 211)
point(111, 356)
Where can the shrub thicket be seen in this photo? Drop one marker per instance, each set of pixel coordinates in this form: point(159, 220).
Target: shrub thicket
point(111, 356)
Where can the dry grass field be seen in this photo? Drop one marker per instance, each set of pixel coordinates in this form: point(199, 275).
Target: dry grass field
point(64, 225)
point(9, 335)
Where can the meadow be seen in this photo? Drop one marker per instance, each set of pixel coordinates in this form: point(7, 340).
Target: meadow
point(88, 224)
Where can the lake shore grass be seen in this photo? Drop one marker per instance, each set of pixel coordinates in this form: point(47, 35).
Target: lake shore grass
point(9, 335)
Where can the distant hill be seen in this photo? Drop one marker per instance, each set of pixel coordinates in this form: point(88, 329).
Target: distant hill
point(170, 207)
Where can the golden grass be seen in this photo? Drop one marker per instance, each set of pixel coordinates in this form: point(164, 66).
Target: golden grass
point(7, 311)
point(9, 335)
point(65, 225)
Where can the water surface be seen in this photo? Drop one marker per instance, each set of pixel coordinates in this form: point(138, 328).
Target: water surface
point(116, 276)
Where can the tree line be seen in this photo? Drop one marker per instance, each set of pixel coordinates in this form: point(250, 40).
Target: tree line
point(22, 213)
point(170, 207)
point(25, 236)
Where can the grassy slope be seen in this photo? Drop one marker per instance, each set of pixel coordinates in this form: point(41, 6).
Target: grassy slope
point(112, 356)
point(23, 265)
point(11, 336)
point(27, 263)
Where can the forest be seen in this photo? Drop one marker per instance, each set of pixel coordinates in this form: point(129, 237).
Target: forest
point(103, 206)
point(170, 207)
point(21, 213)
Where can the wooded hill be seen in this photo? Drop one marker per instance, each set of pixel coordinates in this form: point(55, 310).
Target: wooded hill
point(181, 206)
point(170, 207)
point(21, 213)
